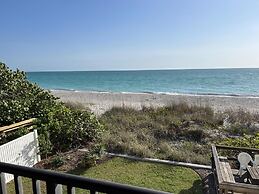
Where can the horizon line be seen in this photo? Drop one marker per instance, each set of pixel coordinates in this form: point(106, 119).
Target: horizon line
point(163, 69)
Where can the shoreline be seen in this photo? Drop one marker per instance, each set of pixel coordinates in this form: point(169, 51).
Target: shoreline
point(162, 93)
point(100, 102)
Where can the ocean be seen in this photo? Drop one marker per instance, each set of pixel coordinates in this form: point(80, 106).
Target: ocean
point(202, 81)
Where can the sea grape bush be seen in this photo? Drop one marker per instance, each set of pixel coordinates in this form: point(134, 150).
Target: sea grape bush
point(251, 141)
point(60, 128)
point(69, 128)
point(21, 99)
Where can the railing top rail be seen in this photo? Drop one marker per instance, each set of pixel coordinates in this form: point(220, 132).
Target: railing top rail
point(18, 125)
point(237, 148)
point(74, 181)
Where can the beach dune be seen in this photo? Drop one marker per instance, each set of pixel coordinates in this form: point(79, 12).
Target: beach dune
point(99, 102)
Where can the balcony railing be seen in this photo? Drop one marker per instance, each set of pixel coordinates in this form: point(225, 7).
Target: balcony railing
point(55, 182)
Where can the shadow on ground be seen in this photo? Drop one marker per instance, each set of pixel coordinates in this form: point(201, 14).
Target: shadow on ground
point(193, 189)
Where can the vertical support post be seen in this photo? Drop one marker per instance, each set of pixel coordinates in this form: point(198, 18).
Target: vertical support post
point(3, 189)
point(18, 184)
point(37, 144)
point(71, 190)
point(59, 189)
point(53, 188)
point(36, 186)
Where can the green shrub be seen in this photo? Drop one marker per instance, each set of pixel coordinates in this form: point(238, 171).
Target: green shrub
point(251, 141)
point(90, 158)
point(60, 128)
point(195, 134)
point(68, 128)
point(21, 99)
point(239, 129)
point(57, 161)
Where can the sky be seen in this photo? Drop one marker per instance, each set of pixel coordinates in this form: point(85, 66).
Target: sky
point(81, 35)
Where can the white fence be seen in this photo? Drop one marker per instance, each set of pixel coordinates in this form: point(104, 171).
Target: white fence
point(21, 151)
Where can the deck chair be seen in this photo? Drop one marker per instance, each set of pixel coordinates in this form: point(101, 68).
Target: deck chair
point(244, 159)
point(256, 161)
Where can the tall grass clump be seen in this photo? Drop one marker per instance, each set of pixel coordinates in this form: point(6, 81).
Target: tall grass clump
point(178, 131)
point(171, 132)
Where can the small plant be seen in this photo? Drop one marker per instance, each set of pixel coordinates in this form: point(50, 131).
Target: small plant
point(88, 161)
point(57, 161)
point(238, 129)
point(195, 134)
point(91, 157)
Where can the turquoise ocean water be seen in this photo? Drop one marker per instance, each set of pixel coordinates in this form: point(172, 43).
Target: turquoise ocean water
point(210, 82)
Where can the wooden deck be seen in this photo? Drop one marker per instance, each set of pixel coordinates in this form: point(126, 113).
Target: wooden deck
point(225, 176)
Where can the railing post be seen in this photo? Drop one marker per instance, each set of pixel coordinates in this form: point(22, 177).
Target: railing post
point(36, 186)
point(18, 184)
point(71, 190)
point(53, 188)
point(2, 184)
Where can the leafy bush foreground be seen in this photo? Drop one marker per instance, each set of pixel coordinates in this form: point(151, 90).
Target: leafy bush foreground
point(60, 128)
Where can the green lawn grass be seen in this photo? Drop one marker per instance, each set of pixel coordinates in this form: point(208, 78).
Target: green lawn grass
point(162, 177)
point(155, 176)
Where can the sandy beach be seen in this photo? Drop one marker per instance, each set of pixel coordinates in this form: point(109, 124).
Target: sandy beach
point(99, 102)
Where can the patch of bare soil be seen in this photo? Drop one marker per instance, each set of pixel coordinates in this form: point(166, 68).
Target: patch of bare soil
point(67, 161)
point(62, 162)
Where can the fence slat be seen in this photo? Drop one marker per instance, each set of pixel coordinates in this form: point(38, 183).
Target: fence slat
point(18, 184)
point(2, 184)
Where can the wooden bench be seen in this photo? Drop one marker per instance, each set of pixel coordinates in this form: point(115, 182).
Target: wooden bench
point(226, 172)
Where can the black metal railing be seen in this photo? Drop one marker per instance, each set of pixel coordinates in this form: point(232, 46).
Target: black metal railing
point(55, 181)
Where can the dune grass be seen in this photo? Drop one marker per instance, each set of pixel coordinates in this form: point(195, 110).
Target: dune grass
point(177, 132)
point(162, 177)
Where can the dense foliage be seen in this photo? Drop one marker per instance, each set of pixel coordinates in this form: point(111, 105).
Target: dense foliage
point(60, 128)
point(251, 141)
point(21, 99)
